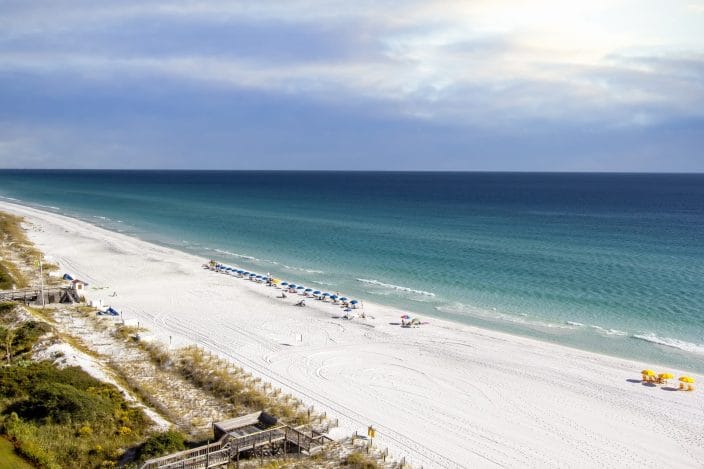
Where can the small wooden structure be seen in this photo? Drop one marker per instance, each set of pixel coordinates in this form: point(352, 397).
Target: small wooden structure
point(252, 435)
point(34, 295)
point(78, 285)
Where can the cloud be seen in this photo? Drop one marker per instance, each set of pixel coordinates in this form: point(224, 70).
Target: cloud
point(498, 67)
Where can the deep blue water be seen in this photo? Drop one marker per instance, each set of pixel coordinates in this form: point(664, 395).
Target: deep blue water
point(607, 262)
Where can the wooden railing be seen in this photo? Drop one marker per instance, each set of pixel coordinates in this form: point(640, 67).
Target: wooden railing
point(230, 446)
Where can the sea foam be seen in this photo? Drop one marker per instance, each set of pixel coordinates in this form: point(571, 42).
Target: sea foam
point(395, 287)
point(669, 342)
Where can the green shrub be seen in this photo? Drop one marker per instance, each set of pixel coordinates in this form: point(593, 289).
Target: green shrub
point(27, 335)
point(161, 444)
point(62, 404)
point(7, 307)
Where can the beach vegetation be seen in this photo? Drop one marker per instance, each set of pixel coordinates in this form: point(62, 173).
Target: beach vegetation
point(359, 461)
point(234, 385)
point(14, 241)
point(65, 417)
point(161, 444)
point(6, 278)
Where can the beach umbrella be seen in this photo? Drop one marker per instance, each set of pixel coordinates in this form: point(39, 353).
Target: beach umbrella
point(309, 289)
point(316, 292)
point(300, 287)
point(665, 376)
point(333, 297)
point(326, 294)
point(354, 302)
point(284, 283)
point(344, 298)
point(252, 274)
point(292, 285)
point(687, 379)
point(405, 316)
point(647, 373)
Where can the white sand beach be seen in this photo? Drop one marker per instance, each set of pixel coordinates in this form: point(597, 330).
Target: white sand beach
point(442, 395)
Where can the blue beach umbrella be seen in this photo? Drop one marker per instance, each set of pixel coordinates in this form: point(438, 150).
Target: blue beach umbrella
point(292, 285)
point(333, 297)
point(309, 289)
point(300, 287)
point(245, 273)
point(354, 302)
point(326, 294)
point(316, 292)
point(284, 284)
point(252, 274)
point(344, 298)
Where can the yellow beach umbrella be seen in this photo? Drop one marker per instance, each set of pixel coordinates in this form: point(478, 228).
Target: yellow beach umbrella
point(665, 376)
point(686, 379)
point(648, 373)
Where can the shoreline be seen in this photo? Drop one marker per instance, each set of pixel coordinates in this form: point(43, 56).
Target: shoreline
point(649, 344)
point(507, 399)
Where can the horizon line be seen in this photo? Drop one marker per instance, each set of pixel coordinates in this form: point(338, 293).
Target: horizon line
point(445, 171)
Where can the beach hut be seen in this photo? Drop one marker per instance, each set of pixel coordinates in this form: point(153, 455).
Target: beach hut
point(78, 285)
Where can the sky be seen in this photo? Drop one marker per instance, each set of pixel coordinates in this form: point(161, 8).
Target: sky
point(487, 85)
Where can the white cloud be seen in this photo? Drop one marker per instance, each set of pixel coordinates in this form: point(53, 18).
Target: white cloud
point(443, 59)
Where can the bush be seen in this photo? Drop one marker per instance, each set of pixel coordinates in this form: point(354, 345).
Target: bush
point(359, 461)
point(27, 335)
point(161, 444)
point(62, 404)
point(7, 307)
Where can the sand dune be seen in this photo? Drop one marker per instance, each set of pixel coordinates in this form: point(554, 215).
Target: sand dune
point(443, 395)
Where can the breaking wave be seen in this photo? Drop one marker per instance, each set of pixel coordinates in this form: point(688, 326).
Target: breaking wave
point(395, 287)
point(669, 342)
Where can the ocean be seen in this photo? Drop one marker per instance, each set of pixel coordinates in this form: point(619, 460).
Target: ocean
point(611, 263)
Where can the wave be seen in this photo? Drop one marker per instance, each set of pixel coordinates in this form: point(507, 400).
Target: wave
point(494, 315)
point(300, 269)
point(575, 323)
point(609, 331)
point(234, 254)
point(395, 287)
point(327, 284)
point(669, 342)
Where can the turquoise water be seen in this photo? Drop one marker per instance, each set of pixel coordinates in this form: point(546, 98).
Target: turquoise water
point(612, 263)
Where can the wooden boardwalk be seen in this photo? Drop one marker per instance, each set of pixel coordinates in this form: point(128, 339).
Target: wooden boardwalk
point(246, 439)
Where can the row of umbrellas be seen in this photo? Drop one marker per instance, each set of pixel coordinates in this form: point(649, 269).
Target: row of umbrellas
point(291, 286)
point(666, 376)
